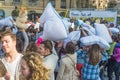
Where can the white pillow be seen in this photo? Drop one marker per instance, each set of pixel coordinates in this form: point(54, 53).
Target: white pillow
point(89, 31)
point(102, 31)
point(37, 25)
point(114, 30)
point(6, 22)
point(67, 24)
point(48, 13)
point(90, 40)
point(73, 36)
point(54, 30)
point(89, 27)
point(54, 27)
point(86, 26)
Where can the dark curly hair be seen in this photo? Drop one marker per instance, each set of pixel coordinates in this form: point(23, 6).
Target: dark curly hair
point(48, 45)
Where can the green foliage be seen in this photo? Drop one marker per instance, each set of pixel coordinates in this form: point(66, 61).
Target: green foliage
point(15, 13)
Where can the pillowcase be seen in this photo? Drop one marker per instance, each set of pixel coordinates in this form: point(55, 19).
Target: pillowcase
point(90, 40)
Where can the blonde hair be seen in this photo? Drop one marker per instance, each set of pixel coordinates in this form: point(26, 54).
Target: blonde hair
point(8, 33)
point(37, 69)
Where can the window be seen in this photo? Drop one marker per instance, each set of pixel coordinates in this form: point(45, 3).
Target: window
point(52, 2)
point(33, 0)
point(63, 3)
point(16, 0)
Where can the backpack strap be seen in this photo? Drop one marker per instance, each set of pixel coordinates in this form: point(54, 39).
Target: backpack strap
point(71, 60)
point(74, 65)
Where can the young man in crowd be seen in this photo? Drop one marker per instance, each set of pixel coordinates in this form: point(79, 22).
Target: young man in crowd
point(50, 56)
point(11, 59)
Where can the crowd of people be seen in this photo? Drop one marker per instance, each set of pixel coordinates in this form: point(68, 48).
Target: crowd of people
point(51, 60)
point(57, 60)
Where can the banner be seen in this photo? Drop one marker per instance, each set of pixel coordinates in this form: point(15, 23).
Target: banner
point(109, 16)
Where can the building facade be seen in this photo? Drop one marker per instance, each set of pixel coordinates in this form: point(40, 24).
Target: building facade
point(39, 5)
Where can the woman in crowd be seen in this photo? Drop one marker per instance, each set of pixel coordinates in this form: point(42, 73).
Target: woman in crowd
point(32, 68)
point(92, 56)
point(67, 64)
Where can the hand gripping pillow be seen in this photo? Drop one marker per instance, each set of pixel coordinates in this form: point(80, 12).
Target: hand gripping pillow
point(102, 31)
point(90, 40)
point(114, 30)
point(54, 30)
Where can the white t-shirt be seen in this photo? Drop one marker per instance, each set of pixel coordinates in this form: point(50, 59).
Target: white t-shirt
point(13, 66)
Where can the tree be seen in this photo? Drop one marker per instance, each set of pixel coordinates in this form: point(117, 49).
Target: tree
point(15, 12)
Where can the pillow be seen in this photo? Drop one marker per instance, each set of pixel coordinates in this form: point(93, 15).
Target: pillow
point(86, 26)
point(73, 36)
point(89, 31)
point(48, 13)
point(67, 24)
point(6, 22)
point(54, 27)
point(102, 31)
point(114, 30)
point(90, 40)
point(54, 30)
point(89, 27)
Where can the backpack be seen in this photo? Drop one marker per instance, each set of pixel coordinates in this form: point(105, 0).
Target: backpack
point(95, 55)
